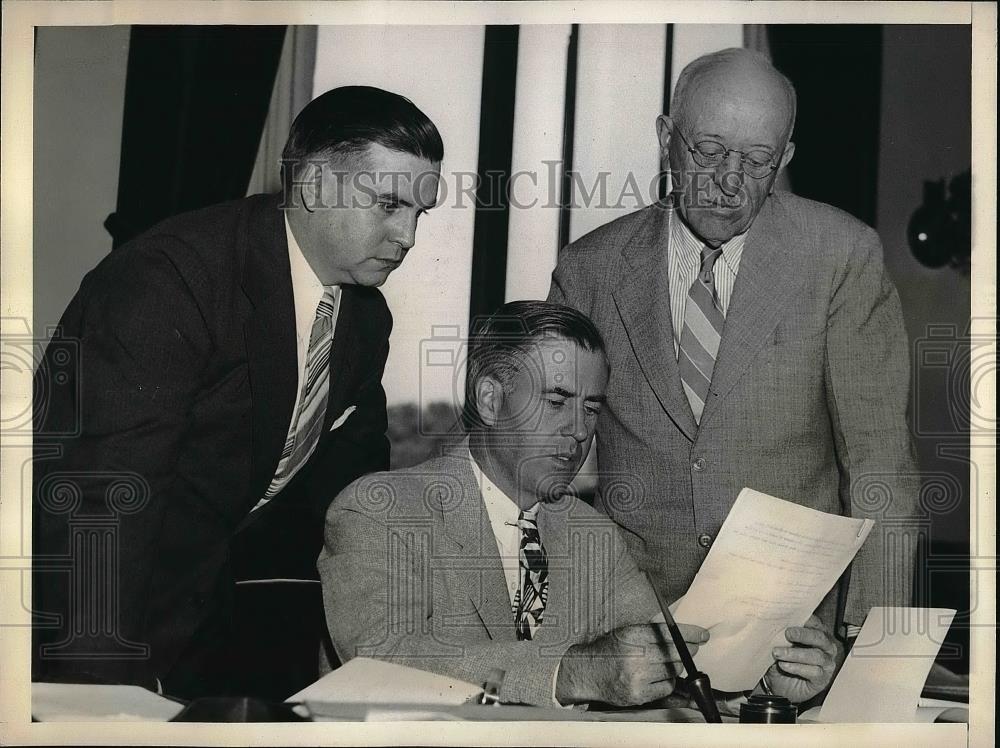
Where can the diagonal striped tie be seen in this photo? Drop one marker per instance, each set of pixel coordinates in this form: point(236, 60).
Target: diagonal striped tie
point(703, 322)
point(304, 431)
point(533, 589)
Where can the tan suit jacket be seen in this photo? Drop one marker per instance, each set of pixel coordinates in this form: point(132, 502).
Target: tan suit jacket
point(411, 573)
point(807, 402)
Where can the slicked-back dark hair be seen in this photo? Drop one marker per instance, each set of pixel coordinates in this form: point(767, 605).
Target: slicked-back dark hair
point(499, 342)
point(346, 120)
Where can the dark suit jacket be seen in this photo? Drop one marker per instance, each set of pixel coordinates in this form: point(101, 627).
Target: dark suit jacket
point(177, 410)
point(412, 574)
point(807, 402)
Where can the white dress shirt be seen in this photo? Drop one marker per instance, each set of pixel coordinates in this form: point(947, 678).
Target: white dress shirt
point(307, 291)
point(503, 513)
point(683, 264)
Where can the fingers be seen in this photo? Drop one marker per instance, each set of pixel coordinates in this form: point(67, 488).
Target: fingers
point(808, 636)
point(693, 634)
point(641, 693)
point(658, 679)
point(812, 656)
point(613, 676)
point(802, 655)
point(690, 633)
point(815, 623)
point(645, 634)
point(654, 643)
point(661, 652)
point(811, 673)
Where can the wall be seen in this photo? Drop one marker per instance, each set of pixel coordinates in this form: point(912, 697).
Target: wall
point(925, 135)
point(79, 100)
point(619, 96)
point(440, 69)
point(540, 97)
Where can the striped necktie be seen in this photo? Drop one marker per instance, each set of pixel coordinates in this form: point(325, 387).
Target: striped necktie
point(533, 588)
point(703, 322)
point(304, 431)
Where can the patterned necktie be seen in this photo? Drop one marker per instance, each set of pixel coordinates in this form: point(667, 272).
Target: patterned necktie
point(304, 432)
point(703, 322)
point(533, 588)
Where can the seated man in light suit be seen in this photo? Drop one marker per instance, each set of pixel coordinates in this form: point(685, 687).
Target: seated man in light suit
point(482, 558)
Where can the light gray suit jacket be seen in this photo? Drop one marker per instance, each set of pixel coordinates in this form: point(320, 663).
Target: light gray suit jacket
point(807, 401)
point(411, 573)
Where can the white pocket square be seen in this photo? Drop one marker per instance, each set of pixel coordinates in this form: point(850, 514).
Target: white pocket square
point(343, 417)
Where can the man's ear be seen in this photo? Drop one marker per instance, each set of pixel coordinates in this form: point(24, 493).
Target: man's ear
point(664, 129)
point(315, 191)
point(787, 155)
point(489, 400)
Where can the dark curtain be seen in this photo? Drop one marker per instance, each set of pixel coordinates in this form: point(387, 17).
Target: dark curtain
point(496, 147)
point(196, 98)
point(836, 71)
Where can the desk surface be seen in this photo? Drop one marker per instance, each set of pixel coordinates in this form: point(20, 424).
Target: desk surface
point(322, 712)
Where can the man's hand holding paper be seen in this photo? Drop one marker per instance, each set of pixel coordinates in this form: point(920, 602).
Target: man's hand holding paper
point(807, 664)
point(769, 568)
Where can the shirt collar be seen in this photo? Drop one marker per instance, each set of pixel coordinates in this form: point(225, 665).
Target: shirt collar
point(682, 238)
point(498, 504)
point(307, 289)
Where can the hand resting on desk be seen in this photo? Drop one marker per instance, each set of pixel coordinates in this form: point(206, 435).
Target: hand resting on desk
point(629, 666)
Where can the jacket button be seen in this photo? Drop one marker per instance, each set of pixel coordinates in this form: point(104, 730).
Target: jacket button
point(698, 465)
point(704, 540)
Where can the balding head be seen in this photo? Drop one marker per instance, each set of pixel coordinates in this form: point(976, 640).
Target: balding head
point(733, 104)
point(733, 69)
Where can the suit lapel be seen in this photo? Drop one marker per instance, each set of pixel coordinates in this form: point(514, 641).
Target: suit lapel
point(269, 334)
point(468, 525)
point(643, 301)
point(554, 529)
point(768, 280)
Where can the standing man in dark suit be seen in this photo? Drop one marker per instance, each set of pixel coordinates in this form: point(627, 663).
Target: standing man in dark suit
point(756, 340)
point(228, 386)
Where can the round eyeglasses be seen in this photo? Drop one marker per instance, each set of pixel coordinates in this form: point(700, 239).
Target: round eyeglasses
point(709, 154)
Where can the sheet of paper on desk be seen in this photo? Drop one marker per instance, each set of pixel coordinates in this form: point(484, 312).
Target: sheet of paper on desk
point(883, 676)
point(367, 681)
point(75, 702)
point(769, 568)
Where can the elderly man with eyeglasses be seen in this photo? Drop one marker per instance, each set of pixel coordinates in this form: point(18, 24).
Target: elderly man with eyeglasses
point(756, 340)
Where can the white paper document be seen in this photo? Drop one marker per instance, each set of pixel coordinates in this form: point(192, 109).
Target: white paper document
point(367, 681)
point(769, 568)
point(885, 672)
point(74, 702)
